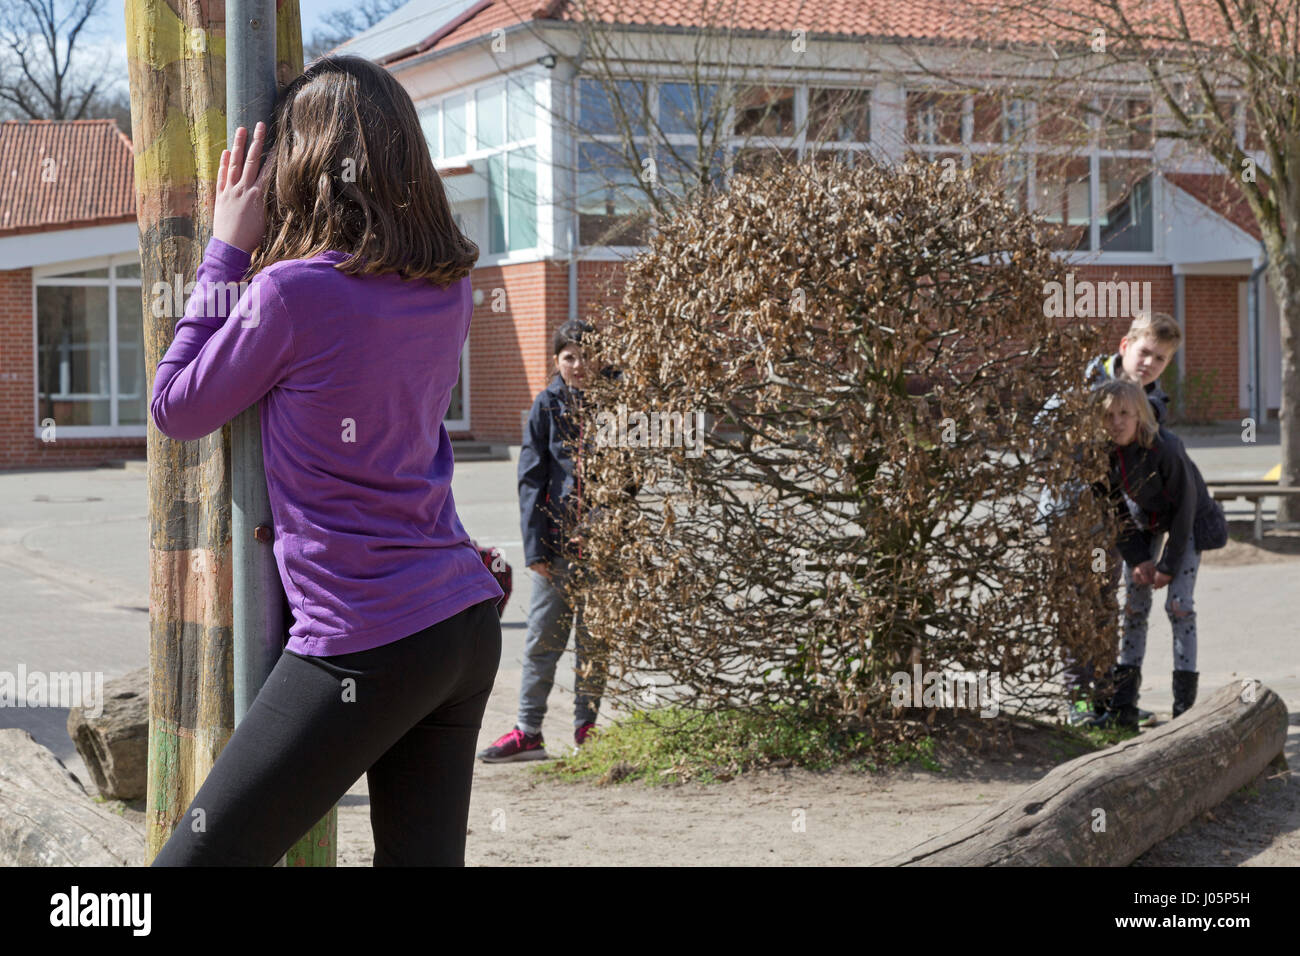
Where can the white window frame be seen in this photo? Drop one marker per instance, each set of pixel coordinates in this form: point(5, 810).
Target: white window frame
point(477, 156)
point(1094, 152)
point(49, 276)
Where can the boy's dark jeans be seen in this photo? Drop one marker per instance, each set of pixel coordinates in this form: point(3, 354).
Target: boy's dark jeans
point(406, 714)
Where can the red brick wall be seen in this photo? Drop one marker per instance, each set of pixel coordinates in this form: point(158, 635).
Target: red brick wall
point(508, 336)
point(19, 447)
point(1162, 290)
point(1210, 335)
point(510, 360)
point(1212, 306)
point(510, 357)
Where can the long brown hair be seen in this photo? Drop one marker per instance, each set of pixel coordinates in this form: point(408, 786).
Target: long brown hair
point(349, 170)
point(1133, 396)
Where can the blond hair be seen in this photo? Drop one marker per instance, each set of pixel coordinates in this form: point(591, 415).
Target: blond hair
point(1159, 326)
point(1131, 395)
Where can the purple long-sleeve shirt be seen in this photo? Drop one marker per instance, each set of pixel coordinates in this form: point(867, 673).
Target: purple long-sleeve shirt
point(355, 374)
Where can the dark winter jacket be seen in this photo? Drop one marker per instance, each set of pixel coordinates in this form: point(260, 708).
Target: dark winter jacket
point(1100, 370)
point(1166, 489)
point(549, 492)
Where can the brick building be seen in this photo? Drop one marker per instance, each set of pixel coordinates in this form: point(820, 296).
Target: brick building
point(518, 129)
point(529, 151)
point(72, 374)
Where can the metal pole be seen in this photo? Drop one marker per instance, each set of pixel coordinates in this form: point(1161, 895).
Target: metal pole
point(258, 612)
point(250, 98)
point(1254, 328)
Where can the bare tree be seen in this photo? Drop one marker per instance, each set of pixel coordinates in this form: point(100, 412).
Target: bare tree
point(344, 23)
point(41, 76)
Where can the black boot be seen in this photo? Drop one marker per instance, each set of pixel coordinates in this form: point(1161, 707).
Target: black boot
point(1121, 709)
point(1184, 691)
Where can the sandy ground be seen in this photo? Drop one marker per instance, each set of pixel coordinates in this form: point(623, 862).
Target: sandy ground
point(518, 818)
point(848, 817)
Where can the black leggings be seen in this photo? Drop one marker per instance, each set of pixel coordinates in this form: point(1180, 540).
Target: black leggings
point(409, 720)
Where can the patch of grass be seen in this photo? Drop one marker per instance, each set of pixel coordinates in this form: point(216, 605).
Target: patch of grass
point(672, 744)
point(1099, 738)
point(921, 751)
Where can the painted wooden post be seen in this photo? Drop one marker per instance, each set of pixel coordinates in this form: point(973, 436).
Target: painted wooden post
point(177, 62)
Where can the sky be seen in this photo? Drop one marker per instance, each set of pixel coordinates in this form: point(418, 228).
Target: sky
point(109, 28)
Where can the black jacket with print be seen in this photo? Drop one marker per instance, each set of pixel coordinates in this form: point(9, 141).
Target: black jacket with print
point(551, 507)
point(1167, 488)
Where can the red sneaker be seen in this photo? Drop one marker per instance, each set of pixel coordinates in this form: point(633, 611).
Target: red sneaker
point(581, 734)
point(515, 745)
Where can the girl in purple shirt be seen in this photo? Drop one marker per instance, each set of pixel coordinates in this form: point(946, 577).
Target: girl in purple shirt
point(335, 290)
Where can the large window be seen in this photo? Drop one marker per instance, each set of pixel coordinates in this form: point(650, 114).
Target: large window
point(639, 137)
point(493, 129)
point(1090, 170)
point(90, 350)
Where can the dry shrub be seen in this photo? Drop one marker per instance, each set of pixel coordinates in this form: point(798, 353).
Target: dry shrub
point(870, 352)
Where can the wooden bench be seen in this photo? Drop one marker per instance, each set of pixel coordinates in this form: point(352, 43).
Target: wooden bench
point(1253, 491)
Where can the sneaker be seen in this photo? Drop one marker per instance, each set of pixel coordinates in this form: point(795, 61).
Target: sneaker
point(580, 735)
point(515, 745)
point(1081, 714)
point(1145, 718)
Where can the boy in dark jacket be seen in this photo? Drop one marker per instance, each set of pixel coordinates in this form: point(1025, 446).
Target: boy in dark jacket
point(1144, 352)
point(550, 502)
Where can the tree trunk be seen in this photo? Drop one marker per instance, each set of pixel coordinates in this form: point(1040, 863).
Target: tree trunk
point(1284, 280)
point(1110, 807)
point(176, 63)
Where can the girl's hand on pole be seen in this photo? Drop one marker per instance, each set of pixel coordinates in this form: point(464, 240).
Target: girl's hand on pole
point(239, 214)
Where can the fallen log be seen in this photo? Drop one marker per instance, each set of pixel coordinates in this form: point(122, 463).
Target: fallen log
point(48, 819)
point(1108, 808)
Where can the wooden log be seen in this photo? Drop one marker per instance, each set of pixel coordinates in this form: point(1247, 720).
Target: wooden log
point(48, 819)
point(1108, 808)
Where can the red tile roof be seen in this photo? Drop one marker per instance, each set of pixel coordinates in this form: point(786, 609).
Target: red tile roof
point(1221, 195)
point(996, 21)
point(92, 175)
point(894, 18)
